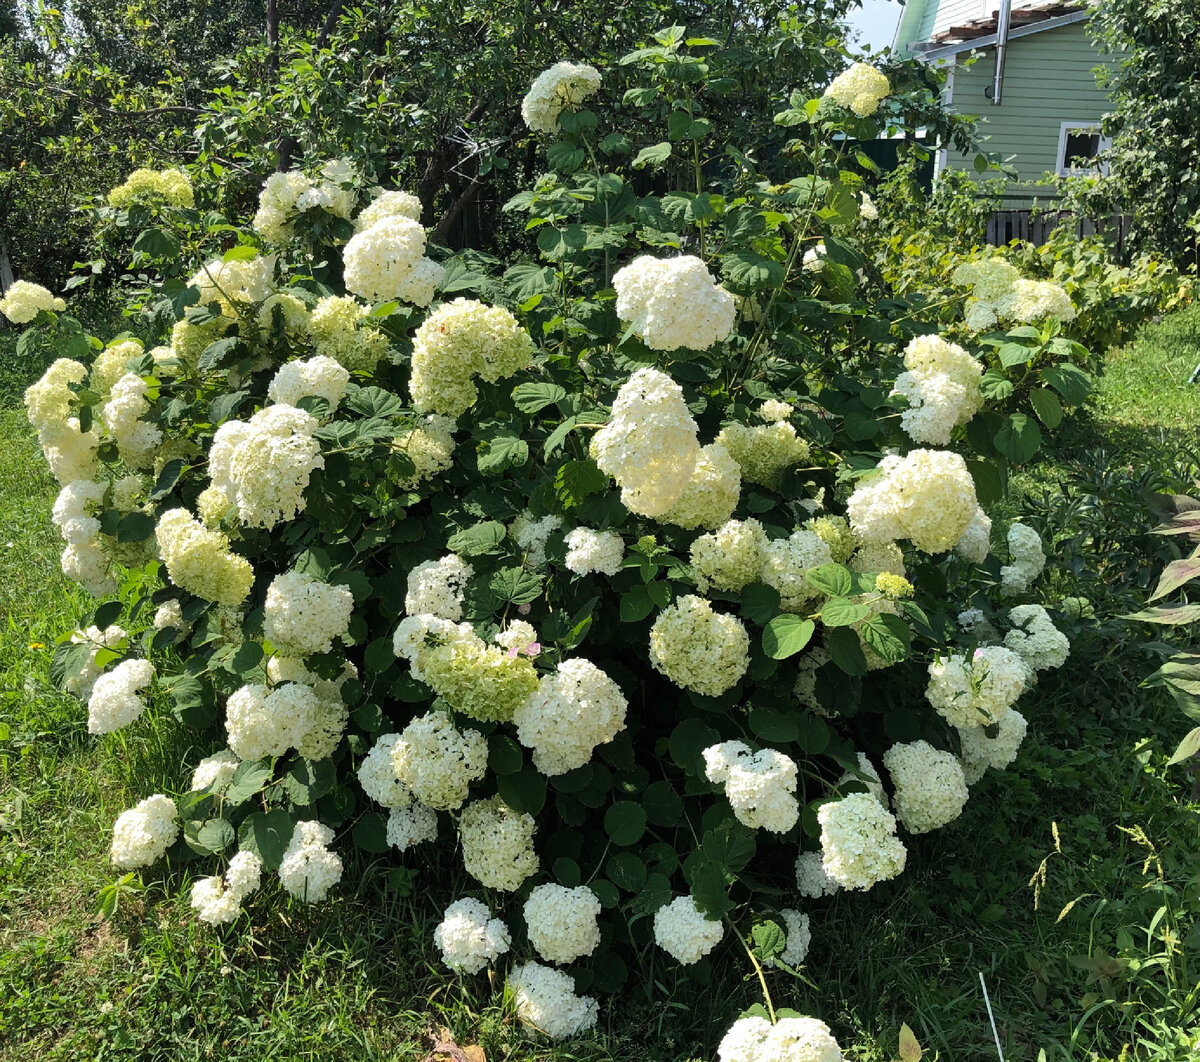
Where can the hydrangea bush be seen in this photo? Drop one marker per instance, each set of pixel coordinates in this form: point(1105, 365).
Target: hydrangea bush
point(648, 580)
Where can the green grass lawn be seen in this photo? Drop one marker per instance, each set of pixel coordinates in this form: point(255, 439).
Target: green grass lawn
point(1092, 963)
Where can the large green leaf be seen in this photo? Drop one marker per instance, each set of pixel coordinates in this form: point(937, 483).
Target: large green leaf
point(786, 635)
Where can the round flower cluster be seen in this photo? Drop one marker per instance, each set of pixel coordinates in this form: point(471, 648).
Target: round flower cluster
point(73, 508)
point(436, 588)
point(70, 452)
point(112, 363)
point(569, 714)
point(329, 722)
point(545, 1000)
point(763, 452)
point(976, 691)
point(773, 410)
point(811, 879)
point(1035, 300)
point(319, 377)
point(309, 869)
point(112, 637)
point(236, 282)
point(1000, 294)
point(564, 85)
point(392, 204)
point(711, 494)
point(976, 540)
point(482, 681)
point(429, 445)
point(171, 186)
point(927, 496)
point(979, 752)
point(263, 465)
point(460, 340)
point(469, 937)
point(867, 210)
point(760, 786)
point(594, 551)
point(339, 329)
point(836, 533)
point(930, 787)
point(143, 833)
point(217, 900)
point(304, 615)
point(377, 774)
point(942, 388)
point(697, 648)
point(674, 302)
point(815, 258)
point(114, 702)
point(859, 89)
point(649, 444)
point(136, 439)
point(1028, 560)
point(286, 195)
point(1035, 638)
point(215, 772)
point(411, 823)
point(730, 557)
point(755, 1039)
point(859, 846)
point(264, 722)
point(786, 562)
point(497, 843)
point(387, 260)
point(562, 922)
point(24, 300)
point(438, 763)
point(532, 534)
point(199, 561)
point(686, 934)
point(799, 937)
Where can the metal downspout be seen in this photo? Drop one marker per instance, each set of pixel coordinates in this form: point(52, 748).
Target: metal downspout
point(1002, 22)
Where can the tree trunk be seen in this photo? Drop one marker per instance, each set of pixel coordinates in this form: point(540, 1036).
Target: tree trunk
point(6, 277)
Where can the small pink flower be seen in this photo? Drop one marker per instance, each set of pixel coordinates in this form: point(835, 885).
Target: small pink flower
point(978, 654)
point(512, 653)
point(532, 649)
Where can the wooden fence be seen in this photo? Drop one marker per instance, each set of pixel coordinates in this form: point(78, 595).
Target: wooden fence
point(1035, 226)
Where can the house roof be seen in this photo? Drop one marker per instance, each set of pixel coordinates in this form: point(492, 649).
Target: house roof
point(1028, 16)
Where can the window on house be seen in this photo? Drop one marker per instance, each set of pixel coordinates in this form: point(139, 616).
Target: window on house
point(1078, 147)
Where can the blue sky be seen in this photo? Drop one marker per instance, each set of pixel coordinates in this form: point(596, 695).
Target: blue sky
point(876, 22)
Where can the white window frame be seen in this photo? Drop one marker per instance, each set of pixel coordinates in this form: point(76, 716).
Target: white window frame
point(1060, 161)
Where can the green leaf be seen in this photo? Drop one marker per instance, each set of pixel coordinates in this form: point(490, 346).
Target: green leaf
point(687, 743)
point(1173, 577)
point(625, 822)
point(770, 724)
point(759, 603)
point(994, 386)
point(525, 790)
point(370, 833)
point(786, 635)
point(504, 754)
point(210, 837)
point(1015, 354)
point(655, 155)
point(374, 402)
point(846, 651)
point(157, 244)
point(910, 1047)
point(1068, 380)
point(515, 585)
point(1046, 406)
point(709, 890)
point(217, 354)
point(167, 478)
point(1188, 748)
point(636, 605)
point(267, 834)
point(534, 397)
point(626, 870)
point(248, 780)
point(379, 654)
point(523, 282)
point(307, 780)
point(576, 480)
point(989, 481)
point(769, 940)
point(730, 845)
point(832, 580)
point(108, 614)
point(888, 635)
point(478, 539)
point(663, 805)
point(842, 612)
point(247, 657)
point(565, 156)
point(749, 271)
point(1171, 615)
point(1019, 438)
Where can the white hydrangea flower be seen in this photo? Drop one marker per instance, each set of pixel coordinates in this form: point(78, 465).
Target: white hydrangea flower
point(379, 259)
point(711, 494)
point(649, 444)
point(319, 377)
point(497, 844)
point(787, 561)
point(811, 879)
point(377, 774)
point(562, 922)
point(684, 933)
point(309, 870)
point(815, 258)
point(564, 85)
point(867, 210)
point(172, 186)
point(114, 702)
point(142, 834)
point(594, 551)
point(764, 451)
point(242, 281)
point(859, 845)
point(1028, 561)
point(976, 540)
point(429, 445)
point(217, 900)
point(674, 302)
point(517, 634)
point(868, 776)
point(388, 205)
point(410, 824)
point(469, 938)
point(942, 388)
point(438, 763)
point(1035, 638)
point(304, 615)
point(979, 690)
point(340, 328)
point(730, 557)
point(799, 937)
point(199, 560)
point(760, 786)
point(215, 771)
point(699, 649)
point(755, 1039)
point(136, 439)
point(88, 565)
point(112, 637)
point(73, 508)
point(262, 722)
point(545, 1000)
point(998, 293)
point(572, 712)
point(979, 752)
point(436, 588)
point(531, 534)
point(23, 300)
point(859, 89)
point(931, 789)
point(170, 614)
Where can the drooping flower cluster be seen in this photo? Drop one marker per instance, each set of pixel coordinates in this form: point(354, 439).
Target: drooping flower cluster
point(930, 789)
point(571, 712)
point(114, 702)
point(199, 561)
point(859, 846)
point(649, 444)
point(437, 762)
point(469, 938)
point(309, 869)
point(112, 363)
point(764, 452)
point(927, 496)
point(497, 844)
point(218, 901)
point(760, 786)
point(684, 932)
point(594, 551)
point(859, 89)
point(999, 294)
point(697, 648)
point(171, 186)
point(23, 301)
point(562, 922)
point(976, 691)
point(142, 834)
point(458, 341)
point(942, 388)
point(545, 1000)
point(755, 1039)
point(1035, 638)
point(562, 86)
point(304, 615)
point(70, 452)
point(386, 260)
point(979, 752)
point(136, 439)
point(1028, 560)
point(674, 302)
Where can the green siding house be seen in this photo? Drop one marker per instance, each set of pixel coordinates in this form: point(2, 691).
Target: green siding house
point(1047, 118)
